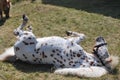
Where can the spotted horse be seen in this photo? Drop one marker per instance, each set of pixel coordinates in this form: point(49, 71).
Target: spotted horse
point(65, 53)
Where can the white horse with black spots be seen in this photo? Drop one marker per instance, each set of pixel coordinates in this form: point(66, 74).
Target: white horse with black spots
point(65, 54)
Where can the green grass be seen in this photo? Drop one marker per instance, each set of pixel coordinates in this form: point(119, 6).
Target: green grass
point(50, 19)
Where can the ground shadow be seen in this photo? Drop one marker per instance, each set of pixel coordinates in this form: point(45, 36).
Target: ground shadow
point(28, 68)
point(2, 21)
point(104, 7)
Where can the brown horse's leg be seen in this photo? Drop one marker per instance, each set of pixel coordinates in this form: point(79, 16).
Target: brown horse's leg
point(6, 11)
point(1, 15)
point(7, 8)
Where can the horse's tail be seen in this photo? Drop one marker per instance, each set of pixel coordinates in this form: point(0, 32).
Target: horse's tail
point(83, 72)
point(8, 55)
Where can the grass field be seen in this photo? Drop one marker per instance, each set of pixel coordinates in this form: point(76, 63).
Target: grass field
point(54, 17)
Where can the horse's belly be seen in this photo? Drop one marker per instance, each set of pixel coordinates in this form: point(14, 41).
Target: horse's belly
point(59, 52)
point(39, 53)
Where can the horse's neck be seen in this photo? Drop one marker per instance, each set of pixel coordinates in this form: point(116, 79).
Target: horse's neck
point(92, 56)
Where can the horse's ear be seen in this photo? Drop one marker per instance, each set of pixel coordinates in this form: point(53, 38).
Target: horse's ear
point(100, 39)
point(29, 28)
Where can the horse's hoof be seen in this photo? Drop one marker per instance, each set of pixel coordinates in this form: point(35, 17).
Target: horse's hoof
point(69, 33)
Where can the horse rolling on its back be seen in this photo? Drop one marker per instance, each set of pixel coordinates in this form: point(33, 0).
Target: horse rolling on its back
point(64, 53)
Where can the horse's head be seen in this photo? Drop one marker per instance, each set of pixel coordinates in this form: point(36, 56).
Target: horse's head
point(101, 51)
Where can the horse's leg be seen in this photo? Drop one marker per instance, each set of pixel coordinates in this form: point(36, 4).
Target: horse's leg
point(75, 37)
point(1, 8)
point(83, 72)
point(6, 11)
point(1, 15)
point(6, 8)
